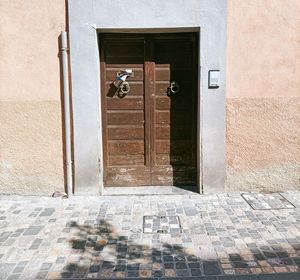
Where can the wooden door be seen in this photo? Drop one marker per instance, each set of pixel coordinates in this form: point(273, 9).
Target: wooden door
point(150, 135)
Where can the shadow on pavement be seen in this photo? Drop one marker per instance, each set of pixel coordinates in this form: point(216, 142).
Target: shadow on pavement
point(99, 252)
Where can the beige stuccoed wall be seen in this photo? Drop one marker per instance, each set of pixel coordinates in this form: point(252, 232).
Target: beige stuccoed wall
point(263, 95)
point(31, 158)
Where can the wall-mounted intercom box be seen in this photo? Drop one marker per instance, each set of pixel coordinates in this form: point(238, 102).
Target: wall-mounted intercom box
point(213, 78)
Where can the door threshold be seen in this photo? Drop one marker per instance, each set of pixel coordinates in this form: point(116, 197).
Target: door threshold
point(146, 190)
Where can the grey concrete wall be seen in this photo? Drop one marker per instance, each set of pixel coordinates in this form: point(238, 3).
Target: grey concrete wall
point(89, 16)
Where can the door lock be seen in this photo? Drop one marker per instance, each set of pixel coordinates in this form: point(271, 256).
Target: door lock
point(121, 84)
point(173, 89)
point(124, 89)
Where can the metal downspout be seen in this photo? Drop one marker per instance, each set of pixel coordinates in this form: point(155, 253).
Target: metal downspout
point(64, 51)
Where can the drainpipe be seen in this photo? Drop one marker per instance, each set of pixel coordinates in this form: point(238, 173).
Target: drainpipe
point(64, 51)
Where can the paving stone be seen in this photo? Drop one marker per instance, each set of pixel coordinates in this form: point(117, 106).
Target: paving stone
point(240, 264)
point(194, 265)
point(4, 236)
point(179, 258)
point(46, 266)
point(18, 269)
point(282, 254)
point(47, 212)
point(296, 261)
point(156, 266)
point(60, 260)
point(13, 277)
point(180, 265)
point(169, 265)
point(211, 268)
point(120, 267)
point(41, 275)
point(5, 269)
point(33, 230)
point(269, 255)
point(190, 211)
point(259, 257)
point(182, 272)
point(134, 273)
point(192, 258)
point(61, 240)
point(168, 258)
point(235, 257)
point(22, 263)
point(196, 272)
point(133, 266)
point(145, 273)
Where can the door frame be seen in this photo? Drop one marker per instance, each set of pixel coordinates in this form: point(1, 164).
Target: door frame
point(153, 36)
point(86, 19)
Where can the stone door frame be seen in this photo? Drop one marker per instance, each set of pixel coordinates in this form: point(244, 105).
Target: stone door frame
point(89, 17)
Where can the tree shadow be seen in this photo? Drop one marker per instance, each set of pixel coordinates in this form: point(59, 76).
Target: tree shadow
point(103, 253)
point(100, 252)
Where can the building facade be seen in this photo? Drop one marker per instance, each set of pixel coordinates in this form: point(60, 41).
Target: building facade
point(236, 131)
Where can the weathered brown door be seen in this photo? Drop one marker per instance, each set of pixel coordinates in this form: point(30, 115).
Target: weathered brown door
point(150, 134)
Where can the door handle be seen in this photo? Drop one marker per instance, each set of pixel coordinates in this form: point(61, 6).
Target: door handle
point(173, 89)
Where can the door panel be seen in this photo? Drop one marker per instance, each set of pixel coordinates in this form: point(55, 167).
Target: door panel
point(124, 118)
point(175, 125)
point(123, 133)
point(149, 136)
point(129, 103)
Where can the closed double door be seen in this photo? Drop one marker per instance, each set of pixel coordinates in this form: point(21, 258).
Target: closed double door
point(150, 123)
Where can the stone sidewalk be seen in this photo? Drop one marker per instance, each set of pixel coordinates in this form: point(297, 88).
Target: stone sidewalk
point(186, 236)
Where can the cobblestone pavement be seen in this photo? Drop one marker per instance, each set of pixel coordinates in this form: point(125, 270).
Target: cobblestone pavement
point(186, 236)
